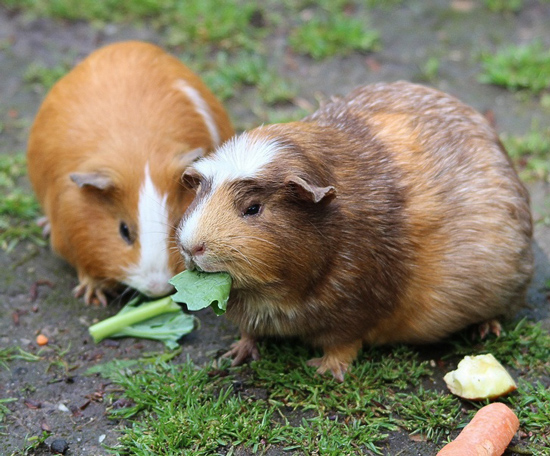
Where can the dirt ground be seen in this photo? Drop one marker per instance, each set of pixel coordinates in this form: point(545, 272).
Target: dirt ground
point(35, 286)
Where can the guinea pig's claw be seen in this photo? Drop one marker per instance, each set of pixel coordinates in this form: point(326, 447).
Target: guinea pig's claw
point(242, 350)
point(336, 367)
point(92, 295)
point(489, 327)
point(44, 223)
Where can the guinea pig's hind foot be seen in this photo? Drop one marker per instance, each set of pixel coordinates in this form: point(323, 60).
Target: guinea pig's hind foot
point(242, 350)
point(92, 293)
point(44, 223)
point(489, 327)
point(336, 359)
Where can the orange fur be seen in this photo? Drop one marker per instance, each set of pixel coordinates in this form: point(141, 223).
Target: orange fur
point(116, 111)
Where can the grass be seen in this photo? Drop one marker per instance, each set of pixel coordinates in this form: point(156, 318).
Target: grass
point(525, 67)
point(530, 152)
point(4, 411)
point(208, 22)
point(280, 402)
point(232, 73)
point(335, 34)
point(7, 355)
point(504, 6)
point(19, 209)
point(44, 77)
point(11, 353)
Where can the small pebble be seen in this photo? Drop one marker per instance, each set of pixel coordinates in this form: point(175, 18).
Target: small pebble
point(59, 446)
point(63, 408)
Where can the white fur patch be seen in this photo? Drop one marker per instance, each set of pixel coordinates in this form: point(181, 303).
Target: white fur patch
point(202, 108)
point(151, 274)
point(188, 227)
point(241, 157)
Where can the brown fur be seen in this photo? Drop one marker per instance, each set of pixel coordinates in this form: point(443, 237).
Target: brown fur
point(428, 230)
point(113, 113)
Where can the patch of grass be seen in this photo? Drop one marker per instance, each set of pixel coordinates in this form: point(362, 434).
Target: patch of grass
point(44, 77)
point(532, 405)
point(34, 445)
point(430, 413)
point(524, 67)
point(530, 153)
point(18, 213)
point(334, 33)
point(504, 6)
point(90, 10)
point(231, 74)
point(192, 412)
point(201, 411)
point(18, 208)
point(429, 70)
point(4, 411)
point(225, 24)
point(523, 345)
point(11, 353)
point(11, 168)
point(279, 401)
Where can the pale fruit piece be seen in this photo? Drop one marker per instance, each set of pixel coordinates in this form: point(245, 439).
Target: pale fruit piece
point(480, 377)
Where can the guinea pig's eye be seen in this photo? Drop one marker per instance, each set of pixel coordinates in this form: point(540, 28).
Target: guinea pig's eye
point(125, 233)
point(253, 209)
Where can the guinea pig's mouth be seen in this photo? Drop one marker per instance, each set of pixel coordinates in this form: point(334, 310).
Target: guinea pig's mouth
point(192, 265)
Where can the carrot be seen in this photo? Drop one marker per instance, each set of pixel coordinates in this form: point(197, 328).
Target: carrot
point(488, 434)
point(41, 339)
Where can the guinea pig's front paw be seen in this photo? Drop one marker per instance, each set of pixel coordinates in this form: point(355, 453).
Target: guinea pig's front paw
point(44, 223)
point(242, 350)
point(336, 360)
point(328, 363)
point(92, 292)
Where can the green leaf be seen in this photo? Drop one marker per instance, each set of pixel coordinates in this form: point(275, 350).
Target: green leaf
point(161, 320)
point(167, 328)
point(202, 289)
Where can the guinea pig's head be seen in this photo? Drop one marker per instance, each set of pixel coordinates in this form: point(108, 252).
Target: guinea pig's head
point(260, 213)
point(124, 221)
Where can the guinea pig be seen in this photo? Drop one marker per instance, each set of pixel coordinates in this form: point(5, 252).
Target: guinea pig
point(390, 215)
point(105, 157)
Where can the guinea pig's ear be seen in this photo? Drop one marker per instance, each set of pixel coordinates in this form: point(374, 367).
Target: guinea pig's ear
point(309, 192)
point(97, 180)
point(185, 159)
point(191, 178)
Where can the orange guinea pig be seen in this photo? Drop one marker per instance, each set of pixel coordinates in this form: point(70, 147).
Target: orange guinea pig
point(105, 156)
point(390, 215)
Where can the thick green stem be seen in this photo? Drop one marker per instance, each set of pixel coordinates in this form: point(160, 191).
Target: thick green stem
point(115, 324)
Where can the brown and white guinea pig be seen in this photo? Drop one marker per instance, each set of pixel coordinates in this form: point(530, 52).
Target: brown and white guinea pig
point(105, 157)
point(390, 215)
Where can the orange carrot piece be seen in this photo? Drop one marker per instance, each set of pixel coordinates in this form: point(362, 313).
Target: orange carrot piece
point(488, 434)
point(41, 339)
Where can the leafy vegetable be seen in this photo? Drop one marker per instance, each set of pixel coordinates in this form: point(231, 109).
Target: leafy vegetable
point(161, 320)
point(202, 289)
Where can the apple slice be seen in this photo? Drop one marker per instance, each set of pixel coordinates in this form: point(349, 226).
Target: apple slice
point(480, 377)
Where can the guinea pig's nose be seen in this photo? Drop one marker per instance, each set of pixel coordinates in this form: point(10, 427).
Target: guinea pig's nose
point(198, 249)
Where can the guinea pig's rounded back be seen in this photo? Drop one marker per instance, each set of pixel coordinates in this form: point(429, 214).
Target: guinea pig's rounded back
point(468, 219)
